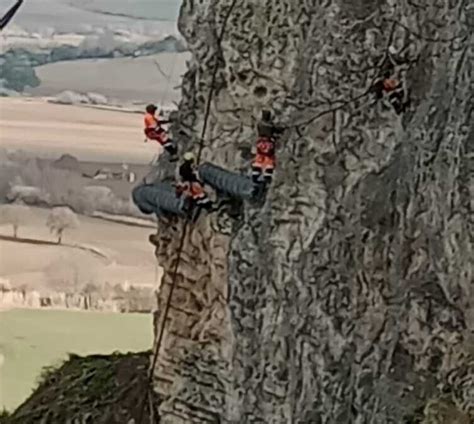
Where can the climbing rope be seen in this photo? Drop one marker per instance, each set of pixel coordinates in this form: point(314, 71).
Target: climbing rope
point(4, 21)
point(156, 351)
point(164, 100)
point(174, 279)
point(213, 80)
point(386, 56)
point(420, 36)
point(352, 100)
point(169, 88)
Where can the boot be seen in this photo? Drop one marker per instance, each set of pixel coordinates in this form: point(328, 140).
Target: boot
point(208, 206)
point(173, 152)
point(256, 174)
point(267, 180)
point(195, 213)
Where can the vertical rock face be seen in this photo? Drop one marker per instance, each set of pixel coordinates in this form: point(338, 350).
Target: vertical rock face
point(192, 371)
point(348, 296)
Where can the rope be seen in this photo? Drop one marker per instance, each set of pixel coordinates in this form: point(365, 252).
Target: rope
point(168, 303)
point(386, 56)
point(185, 226)
point(164, 100)
point(213, 80)
point(4, 21)
point(168, 77)
point(353, 99)
point(156, 351)
point(332, 110)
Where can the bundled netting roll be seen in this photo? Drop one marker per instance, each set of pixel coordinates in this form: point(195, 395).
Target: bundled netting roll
point(158, 198)
point(227, 182)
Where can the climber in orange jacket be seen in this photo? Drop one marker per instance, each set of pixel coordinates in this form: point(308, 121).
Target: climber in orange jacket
point(154, 131)
point(394, 89)
point(265, 161)
point(190, 187)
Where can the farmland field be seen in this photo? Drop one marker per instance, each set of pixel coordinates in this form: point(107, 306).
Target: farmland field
point(130, 257)
point(33, 339)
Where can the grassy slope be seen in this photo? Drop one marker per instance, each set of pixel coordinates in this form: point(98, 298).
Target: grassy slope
point(30, 340)
point(95, 389)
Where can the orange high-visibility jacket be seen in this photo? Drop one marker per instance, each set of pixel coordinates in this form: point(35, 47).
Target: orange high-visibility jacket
point(195, 190)
point(265, 157)
point(151, 122)
point(153, 129)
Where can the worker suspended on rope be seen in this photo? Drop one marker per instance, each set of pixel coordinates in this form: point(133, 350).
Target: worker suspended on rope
point(190, 188)
point(264, 163)
point(9, 15)
point(155, 131)
point(393, 88)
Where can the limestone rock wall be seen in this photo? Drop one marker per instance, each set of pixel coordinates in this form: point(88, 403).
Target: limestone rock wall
point(347, 297)
point(192, 373)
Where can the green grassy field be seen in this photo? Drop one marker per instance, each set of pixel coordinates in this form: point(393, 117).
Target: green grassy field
point(33, 339)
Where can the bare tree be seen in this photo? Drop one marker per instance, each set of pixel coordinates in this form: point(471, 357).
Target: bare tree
point(61, 219)
point(14, 215)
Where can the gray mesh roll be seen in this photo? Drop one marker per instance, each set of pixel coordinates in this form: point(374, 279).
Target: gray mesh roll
point(157, 198)
point(226, 182)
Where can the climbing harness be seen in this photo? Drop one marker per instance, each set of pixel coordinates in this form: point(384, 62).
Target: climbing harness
point(193, 199)
point(191, 189)
point(157, 347)
point(154, 131)
point(9, 15)
point(264, 163)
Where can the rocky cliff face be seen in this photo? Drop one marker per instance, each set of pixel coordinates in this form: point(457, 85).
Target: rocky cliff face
point(347, 297)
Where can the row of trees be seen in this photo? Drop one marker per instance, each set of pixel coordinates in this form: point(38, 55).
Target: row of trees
point(59, 220)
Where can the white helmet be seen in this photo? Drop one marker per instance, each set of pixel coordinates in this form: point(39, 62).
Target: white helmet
point(189, 156)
